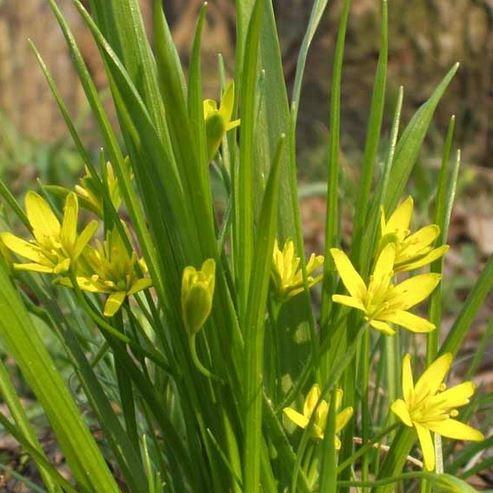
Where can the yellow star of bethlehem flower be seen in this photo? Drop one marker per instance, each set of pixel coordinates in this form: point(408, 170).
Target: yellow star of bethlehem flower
point(321, 412)
point(110, 268)
point(90, 194)
point(382, 302)
point(286, 270)
point(218, 120)
point(55, 246)
point(413, 250)
point(429, 407)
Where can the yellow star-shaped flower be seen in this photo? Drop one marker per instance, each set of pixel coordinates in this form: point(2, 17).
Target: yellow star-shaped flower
point(321, 412)
point(413, 250)
point(109, 268)
point(286, 271)
point(55, 246)
point(429, 407)
point(382, 302)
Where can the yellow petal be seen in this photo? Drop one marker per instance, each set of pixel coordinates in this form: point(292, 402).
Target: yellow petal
point(311, 400)
point(385, 264)
point(337, 443)
point(40, 215)
point(407, 378)
point(433, 376)
point(424, 236)
point(451, 428)
point(415, 289)
point(427, 259)
point(34, 267)
point(227, 102)
point(69, 224)
point(400, 409)
point(343, 417)
point(210, 107)
point(350, 278)
point(456, 396)
point(427, 448)
point(84, 238)
point(339, 396)
point(348, 301)
point(401, 217)
point(408, 320)
point(382, 327)
point(296, 417)
point(139, 285)
point(113, 303)
point(22, 247)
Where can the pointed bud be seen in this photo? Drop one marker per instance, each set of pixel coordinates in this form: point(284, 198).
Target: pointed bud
point(197, 291)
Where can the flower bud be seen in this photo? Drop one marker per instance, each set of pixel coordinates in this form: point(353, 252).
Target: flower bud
point(197, 291)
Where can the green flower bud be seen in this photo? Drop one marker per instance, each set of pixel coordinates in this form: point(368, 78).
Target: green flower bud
point(218, 119)
point(197, 292)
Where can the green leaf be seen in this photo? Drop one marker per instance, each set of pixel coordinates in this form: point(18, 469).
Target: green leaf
point(410, 143)
point(254, 326)
point(24, 343)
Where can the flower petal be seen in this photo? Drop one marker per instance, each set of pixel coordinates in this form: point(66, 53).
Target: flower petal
point(227, 102)
point(451, 428)
point(68, 232)
point(427, 448)
point(296, 417)
point(34, 267)
point(433, 376)
point(350, 278)
point(384, 265)
point(311, 400)
point(343, 417)
point(424, 236)
point(430, 257)
point(399, 408)
point(84, 238)
point(382, 327)
point(139, 285)
point(22, 247)
point(113, 303)
point(40, 215)
point(348, 301)
point(408, 320)
point(401, 217)
point(456, 396)
point(415, 289)
point(407, 378)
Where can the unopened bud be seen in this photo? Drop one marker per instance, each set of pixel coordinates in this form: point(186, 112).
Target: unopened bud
point(197, 292)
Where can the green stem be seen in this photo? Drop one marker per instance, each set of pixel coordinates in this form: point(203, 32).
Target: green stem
point(192, 344)
point(388, 481)
point(365, 448)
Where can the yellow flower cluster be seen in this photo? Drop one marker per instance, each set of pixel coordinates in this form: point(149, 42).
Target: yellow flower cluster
point(427, 406)
point(57, 248)
point(314, 404)
point(384, 303)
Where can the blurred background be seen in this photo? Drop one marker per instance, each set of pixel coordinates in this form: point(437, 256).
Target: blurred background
point(426, 38)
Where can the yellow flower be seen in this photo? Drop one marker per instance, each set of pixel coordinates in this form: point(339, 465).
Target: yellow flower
point(197, 292)
point(90, 194)
point(382, 302)
point(286, 271)
point(321, 412)
point(55, 246)
point(413, 250)
point(429, 407)
point(218, 120)
point(110, 268)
